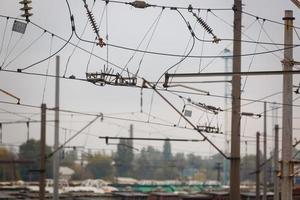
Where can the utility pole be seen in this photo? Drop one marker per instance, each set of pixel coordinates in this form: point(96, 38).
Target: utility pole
point(226, 93)
point(287, 109)
point(257, 167)
point(276, 191)
point(42, 153)
point(236, 104)
point(56, 135)
point(265, 154)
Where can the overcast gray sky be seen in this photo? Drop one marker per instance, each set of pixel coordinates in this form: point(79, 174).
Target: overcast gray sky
point(126, 27)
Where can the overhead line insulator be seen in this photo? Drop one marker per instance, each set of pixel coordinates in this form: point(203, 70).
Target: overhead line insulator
point(139, 4)
point(26, 8)
point(93, 24)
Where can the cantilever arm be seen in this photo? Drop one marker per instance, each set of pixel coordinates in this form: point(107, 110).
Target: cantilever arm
point(11, 95)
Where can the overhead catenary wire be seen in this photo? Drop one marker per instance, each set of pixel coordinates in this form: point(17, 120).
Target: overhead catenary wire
point(162, 53)
point(169, 7)
point(107, 116)
point(175, 91)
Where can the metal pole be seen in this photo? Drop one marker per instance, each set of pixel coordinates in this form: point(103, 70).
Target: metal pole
point(236, 105)
point(276, 191)
point(42, 153)
point(265, 154)
point(56, 135)
point(287, 110)
point(226, 145)
point(257, 167)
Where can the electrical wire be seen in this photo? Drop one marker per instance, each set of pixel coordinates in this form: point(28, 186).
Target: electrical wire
point(76, 46)
point(147, 46)
point(141, 42)
point(11, 50)
point(228, 45)
point(186, 49)
point(24, 50)
point(61, 48)
point(47, 71)
point(275, 108)
point(170, 7)
point(252, 58)
point(261, 44)
point(266, 19)
point(71, 138)
point(106, 20)
point(160, 89)
point(185, 56)
point(202, 46)
point(4, 32)
point(92, 50)
point(7, 47)
point(204, 56)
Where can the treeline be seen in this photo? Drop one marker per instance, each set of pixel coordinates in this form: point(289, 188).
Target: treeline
point(148, 163)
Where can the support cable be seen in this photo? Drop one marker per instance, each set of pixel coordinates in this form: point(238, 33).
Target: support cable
point(92, 50)
point(59, 50)
point(145, 5)
point(106, 18)
point(202, 48)
point(24, 50)
point(266, 19)
point(4, 33)
point(147, 46)
point(71, 138)
point(186, 56)
point(7, 47)
point(186, 48)
point(47, 71)
point(76, 45)
point(227, 46)
point(11, 50)
point(252, 58)
point(252, 40)
point(189, 122)
point(141, 42)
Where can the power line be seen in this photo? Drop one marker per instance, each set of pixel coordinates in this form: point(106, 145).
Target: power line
point(149, 139)
point(166, 6)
